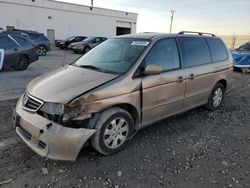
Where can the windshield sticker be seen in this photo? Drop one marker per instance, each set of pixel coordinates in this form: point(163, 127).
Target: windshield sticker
point(1, 58)
point(140, 43)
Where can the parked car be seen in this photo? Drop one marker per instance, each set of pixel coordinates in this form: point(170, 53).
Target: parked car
point(122, 85)
point(41, 41)
point(68, 41)
point(87, 44)
point(19, 50)
point(241, 57)
point(58, 42)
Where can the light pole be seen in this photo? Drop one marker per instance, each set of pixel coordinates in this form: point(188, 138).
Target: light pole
point(92, 3)
point(172, 18)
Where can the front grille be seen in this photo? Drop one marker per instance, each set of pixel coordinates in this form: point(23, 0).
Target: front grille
point(31, 103)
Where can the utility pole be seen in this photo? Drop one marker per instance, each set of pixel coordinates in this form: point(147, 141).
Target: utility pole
point(172, 18)
point(92, 3)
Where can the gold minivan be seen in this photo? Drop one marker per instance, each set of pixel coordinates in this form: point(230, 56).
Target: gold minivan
point(123, 84)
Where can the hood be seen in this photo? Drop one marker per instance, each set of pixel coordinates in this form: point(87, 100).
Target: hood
point(66, 83)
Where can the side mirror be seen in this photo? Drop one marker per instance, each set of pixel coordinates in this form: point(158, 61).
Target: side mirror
point(152, 70)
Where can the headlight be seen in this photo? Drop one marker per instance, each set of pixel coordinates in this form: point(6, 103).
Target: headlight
point(74, 109)
point(53, 108)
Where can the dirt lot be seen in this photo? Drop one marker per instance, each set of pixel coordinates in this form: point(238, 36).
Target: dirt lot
point(196, 149)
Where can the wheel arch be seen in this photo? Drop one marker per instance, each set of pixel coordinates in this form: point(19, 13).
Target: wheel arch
point(223, 82)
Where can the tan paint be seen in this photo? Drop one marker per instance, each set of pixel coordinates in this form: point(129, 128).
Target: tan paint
point(153, 96)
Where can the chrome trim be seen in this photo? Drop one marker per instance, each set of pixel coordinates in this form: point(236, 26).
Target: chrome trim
point(35, 99)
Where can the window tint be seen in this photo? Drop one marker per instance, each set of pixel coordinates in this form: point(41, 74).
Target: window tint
point(19, 40)
point(33, 36)
point(98, 40)
point(6, 42)
point(217, 49)
point(165, 54)
point(194, 51)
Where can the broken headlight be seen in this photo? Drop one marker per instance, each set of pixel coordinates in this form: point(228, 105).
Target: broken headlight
point(53, 108)
point(74, 109)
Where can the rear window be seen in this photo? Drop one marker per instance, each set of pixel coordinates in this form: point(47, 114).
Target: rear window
point(218, 49)
point(194, 51)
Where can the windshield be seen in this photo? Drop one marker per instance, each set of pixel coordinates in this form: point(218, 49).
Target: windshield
point(89, 39)
point(114, 55)
point(245, 47)
point(70, 38)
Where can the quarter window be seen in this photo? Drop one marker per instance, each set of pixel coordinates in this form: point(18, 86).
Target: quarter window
point(165, 54)
point(194, 51)
point(217, 49)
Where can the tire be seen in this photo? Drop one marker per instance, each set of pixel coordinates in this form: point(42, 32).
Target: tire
point(216, 97)
point(22, 63)
point(112, 133)
point(86, 49)
point(41, 51)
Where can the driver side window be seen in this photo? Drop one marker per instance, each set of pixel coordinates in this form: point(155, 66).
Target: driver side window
point(165, 54)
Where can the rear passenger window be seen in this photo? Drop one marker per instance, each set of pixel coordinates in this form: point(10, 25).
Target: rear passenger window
point(217, 48)
point(19, 40)
point(7, 43)
point(194, 51)
point(165, 54)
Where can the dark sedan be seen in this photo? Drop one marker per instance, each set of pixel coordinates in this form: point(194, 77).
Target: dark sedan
point(68, 41)
point(18, 51)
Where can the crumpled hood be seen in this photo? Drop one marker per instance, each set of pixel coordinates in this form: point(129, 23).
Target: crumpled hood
point(66, 83)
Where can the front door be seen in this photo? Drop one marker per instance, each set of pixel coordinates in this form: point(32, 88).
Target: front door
point(163, 94)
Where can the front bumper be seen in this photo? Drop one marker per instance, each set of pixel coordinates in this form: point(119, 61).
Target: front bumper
point(47, 138)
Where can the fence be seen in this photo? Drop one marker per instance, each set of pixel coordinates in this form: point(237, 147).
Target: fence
point(234, 41)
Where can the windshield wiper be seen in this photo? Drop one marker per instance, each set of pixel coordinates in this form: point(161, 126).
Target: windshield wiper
point(92, 67)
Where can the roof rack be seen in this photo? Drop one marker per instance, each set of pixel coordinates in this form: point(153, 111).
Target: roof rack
point(200, 33)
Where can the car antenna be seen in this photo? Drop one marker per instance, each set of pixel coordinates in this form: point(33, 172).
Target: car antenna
point(64, 55)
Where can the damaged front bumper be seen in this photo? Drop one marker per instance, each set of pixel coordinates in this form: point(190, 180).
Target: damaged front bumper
point(48, 138)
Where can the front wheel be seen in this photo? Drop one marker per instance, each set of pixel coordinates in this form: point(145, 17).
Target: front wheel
point(22, 63)
point(216, 97)
point(86, 49)
point(114, 127)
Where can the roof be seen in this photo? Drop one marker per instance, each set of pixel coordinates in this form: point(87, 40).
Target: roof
point(152, 35)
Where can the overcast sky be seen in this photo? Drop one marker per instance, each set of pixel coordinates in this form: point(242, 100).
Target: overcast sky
point(216, 16)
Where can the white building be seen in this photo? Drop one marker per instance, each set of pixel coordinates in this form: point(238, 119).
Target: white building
point(60, 20)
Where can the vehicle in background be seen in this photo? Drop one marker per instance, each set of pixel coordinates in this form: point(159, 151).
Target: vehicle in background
point(68, 41)
point(122, 85)
point(87, 44)
point(241, 57)
point(41, 41)
point(19, 50)
point(57, 42)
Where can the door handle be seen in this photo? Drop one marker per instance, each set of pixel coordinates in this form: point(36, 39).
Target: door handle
point(191, 76)
point(179, 79)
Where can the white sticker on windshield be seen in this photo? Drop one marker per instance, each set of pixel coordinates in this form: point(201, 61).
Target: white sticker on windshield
point(140, 43)
point(1, 58)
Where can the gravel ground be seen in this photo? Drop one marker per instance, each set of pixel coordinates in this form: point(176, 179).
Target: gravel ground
point(198, 148)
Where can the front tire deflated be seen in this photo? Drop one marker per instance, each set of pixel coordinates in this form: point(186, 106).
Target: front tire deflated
point(114, 127)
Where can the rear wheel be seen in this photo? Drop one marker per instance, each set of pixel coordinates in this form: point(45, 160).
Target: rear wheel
point(216, 97)
point(41, 50)
point(22, 63)
point(114, 127)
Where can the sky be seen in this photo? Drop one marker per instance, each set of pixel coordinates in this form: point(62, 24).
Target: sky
point(222, 17)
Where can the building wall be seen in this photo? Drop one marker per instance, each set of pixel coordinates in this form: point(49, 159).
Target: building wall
point(66, 19)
